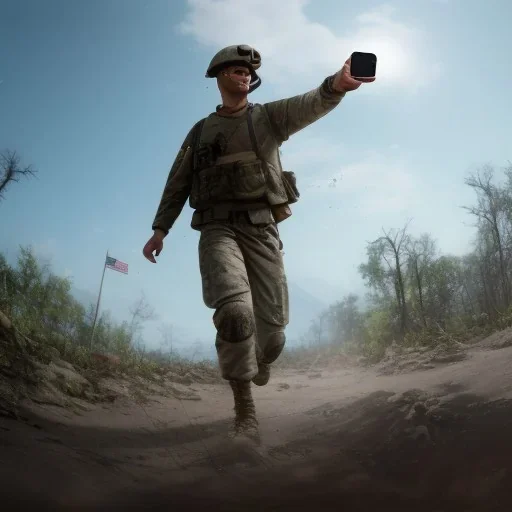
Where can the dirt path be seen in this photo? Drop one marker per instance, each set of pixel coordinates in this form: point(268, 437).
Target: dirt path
point(436, 440)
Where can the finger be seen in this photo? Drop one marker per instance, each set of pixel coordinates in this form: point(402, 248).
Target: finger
point(148, 254)
point(363, 80)
point(157, 252)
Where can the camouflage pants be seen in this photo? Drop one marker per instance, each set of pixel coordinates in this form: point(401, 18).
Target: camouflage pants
point(244, 281)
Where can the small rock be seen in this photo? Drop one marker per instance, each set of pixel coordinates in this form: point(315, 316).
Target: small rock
point(5, 322)
point(418, 411)
point(69, 381)
point(64, 364)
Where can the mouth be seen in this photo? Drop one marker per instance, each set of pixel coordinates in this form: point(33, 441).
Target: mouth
point(242, 83)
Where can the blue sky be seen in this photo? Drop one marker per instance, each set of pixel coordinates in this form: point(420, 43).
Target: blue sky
point(99, 95)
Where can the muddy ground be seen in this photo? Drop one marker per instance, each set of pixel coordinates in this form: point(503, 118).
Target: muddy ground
point(421, 431)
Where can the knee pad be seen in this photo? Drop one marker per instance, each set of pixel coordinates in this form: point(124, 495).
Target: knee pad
point(234, 322)
point(274, 346)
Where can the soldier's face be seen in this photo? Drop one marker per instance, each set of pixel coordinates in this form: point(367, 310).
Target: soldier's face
point(235, 79)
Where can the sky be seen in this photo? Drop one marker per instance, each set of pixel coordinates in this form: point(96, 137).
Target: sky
point(99, 95)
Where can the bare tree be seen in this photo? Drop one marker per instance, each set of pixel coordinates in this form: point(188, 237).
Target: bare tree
point(197, 349)
point(392, 248)
point(318, 327)
point(421, 253)
point(141, 312)
point(167, 332)
point(11, 171)
point(491, 213)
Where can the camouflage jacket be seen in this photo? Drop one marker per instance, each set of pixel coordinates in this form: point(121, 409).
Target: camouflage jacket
point(286, 116)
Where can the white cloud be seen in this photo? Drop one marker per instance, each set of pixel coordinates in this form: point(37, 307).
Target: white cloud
point(299, 153)
point(296, 48)
point(377, 184)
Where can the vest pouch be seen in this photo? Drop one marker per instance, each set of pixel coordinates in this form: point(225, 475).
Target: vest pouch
point(212, 185)
point(281, 212)
point(290, 185)
point(248, 180)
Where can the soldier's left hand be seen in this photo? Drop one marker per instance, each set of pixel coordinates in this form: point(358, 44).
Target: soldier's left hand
point(343, 81)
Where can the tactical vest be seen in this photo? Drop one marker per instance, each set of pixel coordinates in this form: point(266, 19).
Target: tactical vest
point(236, 164)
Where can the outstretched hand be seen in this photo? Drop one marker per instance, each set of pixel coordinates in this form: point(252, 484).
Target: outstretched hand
point(343, 81)
point(154, 244)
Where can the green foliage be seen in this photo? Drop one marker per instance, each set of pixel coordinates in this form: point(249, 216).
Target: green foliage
point(418, 297)
point(38, 301)
point(42, 307)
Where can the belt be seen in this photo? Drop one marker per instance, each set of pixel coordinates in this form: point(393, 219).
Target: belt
point(230, 212)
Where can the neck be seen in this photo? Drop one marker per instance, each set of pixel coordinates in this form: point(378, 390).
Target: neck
point(233, 102)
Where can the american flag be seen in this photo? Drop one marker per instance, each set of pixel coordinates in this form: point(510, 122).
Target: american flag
point(116, 265)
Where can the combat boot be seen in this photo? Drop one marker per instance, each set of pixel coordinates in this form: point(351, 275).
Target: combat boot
point(245, 423)
point(263, 375)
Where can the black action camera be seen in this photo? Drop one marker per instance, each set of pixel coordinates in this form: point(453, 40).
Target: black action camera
point(363, 65)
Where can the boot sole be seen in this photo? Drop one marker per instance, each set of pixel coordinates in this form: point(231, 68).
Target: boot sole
point(261, 381)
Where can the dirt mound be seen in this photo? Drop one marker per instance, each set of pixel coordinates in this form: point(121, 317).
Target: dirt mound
point(35, 371)
point(497, 340)
point(398, 361)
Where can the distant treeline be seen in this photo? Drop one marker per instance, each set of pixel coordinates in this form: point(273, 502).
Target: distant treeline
point(417, 294)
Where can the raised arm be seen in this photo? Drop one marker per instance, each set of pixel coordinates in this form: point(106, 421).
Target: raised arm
point(291, 115)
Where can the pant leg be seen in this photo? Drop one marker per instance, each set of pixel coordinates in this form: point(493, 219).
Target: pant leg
point(265, 270)
point(226, 289)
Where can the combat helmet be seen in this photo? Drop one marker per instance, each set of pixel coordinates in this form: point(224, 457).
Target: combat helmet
point(241, 54)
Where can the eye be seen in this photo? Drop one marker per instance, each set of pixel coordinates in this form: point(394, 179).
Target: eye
point(241, 72)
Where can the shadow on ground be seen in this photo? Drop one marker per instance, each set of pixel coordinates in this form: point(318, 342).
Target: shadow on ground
point(384, 452)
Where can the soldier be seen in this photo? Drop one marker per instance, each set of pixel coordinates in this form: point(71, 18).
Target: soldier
point(229, 168)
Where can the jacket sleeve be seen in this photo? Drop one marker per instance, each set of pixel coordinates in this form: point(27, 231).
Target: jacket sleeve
point(288, 116)
point(177, 188)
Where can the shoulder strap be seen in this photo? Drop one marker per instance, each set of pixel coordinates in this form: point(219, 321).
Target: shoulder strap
point(196, 137)
point(256, 149)
point(252, 135)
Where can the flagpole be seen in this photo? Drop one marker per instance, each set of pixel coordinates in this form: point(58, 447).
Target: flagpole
point(98, 302)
